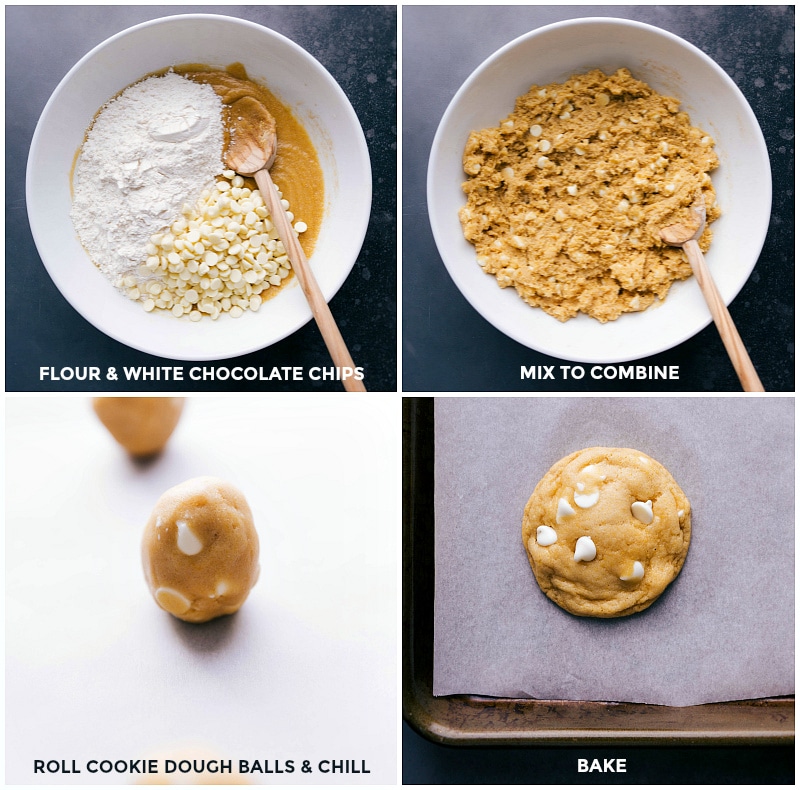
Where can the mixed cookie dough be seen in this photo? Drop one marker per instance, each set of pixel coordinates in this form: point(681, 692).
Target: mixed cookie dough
point(141, 425)
point(200, 550)
point(606, 530)
point(566, 198)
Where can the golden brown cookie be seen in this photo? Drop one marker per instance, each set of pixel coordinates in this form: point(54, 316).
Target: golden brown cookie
point(200, 550)
point(606, 530)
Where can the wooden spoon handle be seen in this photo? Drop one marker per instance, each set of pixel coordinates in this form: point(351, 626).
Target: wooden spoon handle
point(316, 301)
point(722, 318)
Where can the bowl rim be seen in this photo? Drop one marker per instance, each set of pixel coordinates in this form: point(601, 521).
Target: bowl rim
point(361, 220)
point(618, 354)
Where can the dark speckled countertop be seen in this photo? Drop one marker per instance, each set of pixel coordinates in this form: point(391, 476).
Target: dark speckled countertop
point(357, 44)
point(447, 345)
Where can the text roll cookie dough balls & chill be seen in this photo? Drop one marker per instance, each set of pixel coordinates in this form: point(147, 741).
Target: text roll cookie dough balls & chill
point(200, 550)
point(606, 531)
point(142, 426)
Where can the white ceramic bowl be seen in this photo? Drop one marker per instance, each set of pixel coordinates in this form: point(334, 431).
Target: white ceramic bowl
point(671, 66)
point(293, 76)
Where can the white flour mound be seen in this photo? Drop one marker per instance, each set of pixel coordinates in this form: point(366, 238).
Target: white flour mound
point(151, 150)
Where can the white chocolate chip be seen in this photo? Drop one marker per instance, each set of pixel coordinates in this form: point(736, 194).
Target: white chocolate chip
point(188, 542)
point(588, 485)
point(564, 510)
point(585, 550)
point(680, 514)
point(636, 574)
point(591, 474)
point(228, 236)
point(172, 601)
point(643, 511)
point(546, 536)
point(587, 500)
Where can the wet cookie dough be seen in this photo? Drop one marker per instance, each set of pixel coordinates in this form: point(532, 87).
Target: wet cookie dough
point(200, 550)
point(606, 530)
point(141, 425)
point(566, 198)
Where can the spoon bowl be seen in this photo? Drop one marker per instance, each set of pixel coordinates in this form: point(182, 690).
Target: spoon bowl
point(256, 141)
point(691, 228)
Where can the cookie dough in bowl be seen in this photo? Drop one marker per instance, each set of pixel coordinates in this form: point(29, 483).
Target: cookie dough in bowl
point(200, 550)
point(672, 67)
point(270, 60)
point(606, 530)
point(567, 198)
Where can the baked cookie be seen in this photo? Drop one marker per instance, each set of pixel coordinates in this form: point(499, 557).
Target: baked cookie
point(606, 530)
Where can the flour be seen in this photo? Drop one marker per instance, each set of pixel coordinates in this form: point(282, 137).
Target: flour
point(151, 150)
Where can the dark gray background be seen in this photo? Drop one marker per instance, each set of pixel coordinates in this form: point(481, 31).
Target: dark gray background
point(356, 44)
point(447, 345)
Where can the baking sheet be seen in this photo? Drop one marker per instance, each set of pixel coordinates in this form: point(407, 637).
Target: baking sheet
point(306, 670)
point(724, 630)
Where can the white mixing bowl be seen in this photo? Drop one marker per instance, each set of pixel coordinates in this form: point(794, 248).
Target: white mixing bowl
point(673, 67)
point(296, 78)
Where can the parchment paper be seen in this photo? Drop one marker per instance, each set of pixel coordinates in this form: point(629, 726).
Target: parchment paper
point(724, 630)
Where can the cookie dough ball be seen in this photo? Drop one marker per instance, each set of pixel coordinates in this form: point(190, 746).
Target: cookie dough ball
point(196, 766)
point(200, 550)
point(606, 530)
point(141, 425)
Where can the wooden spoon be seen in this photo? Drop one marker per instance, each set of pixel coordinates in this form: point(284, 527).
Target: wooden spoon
point(686, 236)
point(252, 150)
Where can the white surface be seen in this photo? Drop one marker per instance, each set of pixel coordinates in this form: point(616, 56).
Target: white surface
point(293, 76)
point(673, 67)
point(306, 670)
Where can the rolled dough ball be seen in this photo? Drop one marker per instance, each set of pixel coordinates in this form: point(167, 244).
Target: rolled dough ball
point(200, 550)
point(196, 766)
point(141, 425)
point(606, 530)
